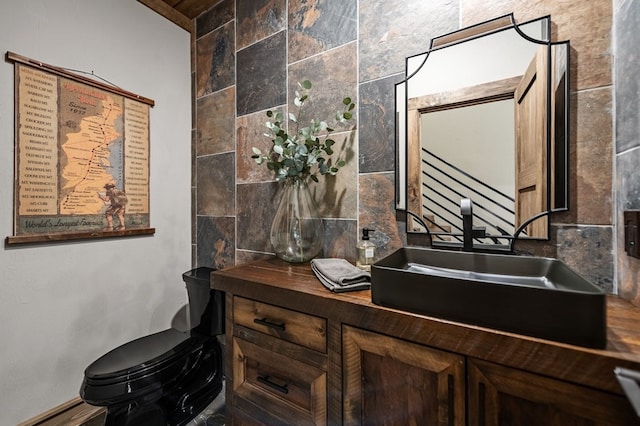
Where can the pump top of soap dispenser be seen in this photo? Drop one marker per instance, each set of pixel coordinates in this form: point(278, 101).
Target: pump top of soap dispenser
point(365, 233)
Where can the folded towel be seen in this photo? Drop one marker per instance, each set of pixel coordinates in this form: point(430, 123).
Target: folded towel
point(338, 275)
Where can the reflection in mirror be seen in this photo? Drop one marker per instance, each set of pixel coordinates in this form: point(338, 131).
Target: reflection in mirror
point(483, 115)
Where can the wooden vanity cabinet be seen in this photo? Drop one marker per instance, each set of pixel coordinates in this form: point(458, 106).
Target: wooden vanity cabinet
point(500, 395)
point(298, 354)
point(279, 368)
point(388, 381)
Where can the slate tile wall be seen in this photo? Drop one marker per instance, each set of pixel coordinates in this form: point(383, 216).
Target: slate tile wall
point(250, 54)
point(627, 108)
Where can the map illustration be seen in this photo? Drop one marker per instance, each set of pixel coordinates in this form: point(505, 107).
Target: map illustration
point(78, 145)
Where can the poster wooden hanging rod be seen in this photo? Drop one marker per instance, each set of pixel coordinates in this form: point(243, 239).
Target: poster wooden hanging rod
point(10, 56)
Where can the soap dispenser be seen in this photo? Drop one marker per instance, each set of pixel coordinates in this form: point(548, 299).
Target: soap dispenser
point(366, 251)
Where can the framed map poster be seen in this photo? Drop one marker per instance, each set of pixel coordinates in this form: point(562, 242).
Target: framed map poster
point(81, 157)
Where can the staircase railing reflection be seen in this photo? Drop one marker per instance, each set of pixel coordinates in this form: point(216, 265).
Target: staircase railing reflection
point(445, 184)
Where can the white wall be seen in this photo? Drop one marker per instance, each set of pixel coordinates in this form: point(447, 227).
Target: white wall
point(63, 305)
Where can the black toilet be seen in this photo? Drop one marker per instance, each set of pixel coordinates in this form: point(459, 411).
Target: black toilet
point(166, 378)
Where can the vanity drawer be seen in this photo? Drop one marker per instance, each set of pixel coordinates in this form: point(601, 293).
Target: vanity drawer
point(295, 327)
point(289, 390)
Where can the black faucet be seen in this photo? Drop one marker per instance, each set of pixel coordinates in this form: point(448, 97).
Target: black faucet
point(469, 232)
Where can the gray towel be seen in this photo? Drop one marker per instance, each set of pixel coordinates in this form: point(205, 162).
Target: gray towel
point(338, 275)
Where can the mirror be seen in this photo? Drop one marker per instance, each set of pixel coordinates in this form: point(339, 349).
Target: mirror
point(483, 115)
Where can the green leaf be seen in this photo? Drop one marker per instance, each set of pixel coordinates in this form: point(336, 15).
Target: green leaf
point(347, 115)
point(302, 149)
point(306, 84)
point(329, 142)
point(346, 101)
point(342, 163)
point(269, 113)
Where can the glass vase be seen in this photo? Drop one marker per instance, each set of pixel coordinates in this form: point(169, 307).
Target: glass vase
point(297, 232)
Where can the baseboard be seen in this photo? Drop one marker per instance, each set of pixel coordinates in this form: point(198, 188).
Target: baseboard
point(71, 413)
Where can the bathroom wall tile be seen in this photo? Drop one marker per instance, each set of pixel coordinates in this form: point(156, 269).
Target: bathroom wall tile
point(216, 130)
point(377, 211)
point(257, 204)
point(587, 250)
point(390, 31)
point(333, 77)
point(627, 96)
point(262, 75)
point(216, 241)
point(627, 22)
point(258, 19)
point(591, 157)
point(320, 25)
point(216, 185)
point(377, 125)
point(586, 24)
point(628, 198)
point(215, 60)
point(340, 239)
point(215, 17)
point(250, 133)
point(336, 196)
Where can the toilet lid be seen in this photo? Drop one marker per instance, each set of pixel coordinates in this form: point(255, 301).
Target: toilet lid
point(141, 354)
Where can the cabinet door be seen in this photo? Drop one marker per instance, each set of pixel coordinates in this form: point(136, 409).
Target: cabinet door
point(500, 395)
point(388, 381)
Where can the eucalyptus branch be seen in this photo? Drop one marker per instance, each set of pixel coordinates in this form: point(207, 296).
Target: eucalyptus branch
point(302, 154)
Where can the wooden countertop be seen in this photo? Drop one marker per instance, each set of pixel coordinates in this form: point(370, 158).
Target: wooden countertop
point(294, 286)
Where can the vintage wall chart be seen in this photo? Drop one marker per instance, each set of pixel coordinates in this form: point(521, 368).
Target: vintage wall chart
point(81, 157)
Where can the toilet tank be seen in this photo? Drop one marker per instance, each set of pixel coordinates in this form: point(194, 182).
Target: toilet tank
point(206, 306)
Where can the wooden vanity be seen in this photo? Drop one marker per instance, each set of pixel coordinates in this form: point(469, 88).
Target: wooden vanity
point(298, 354)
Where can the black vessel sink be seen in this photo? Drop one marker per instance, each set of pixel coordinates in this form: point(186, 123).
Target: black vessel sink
point(535, 296)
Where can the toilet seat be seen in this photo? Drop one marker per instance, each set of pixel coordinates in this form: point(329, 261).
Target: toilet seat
point(139, 367)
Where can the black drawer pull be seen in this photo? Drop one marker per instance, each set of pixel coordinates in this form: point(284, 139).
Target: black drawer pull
point(280, 388)
point(263, 321)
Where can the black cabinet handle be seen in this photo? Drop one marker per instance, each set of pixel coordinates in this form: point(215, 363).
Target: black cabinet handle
point(263, 321)
point(280, 388)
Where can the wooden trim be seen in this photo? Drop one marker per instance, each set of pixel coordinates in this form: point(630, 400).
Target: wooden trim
point(474, 31)
point(11, 56)
point(71, 413)
point(170, 13)
point(42, 238)
point(466, 96)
